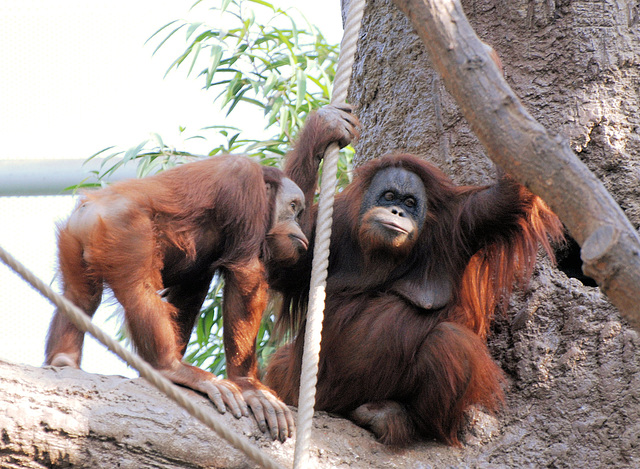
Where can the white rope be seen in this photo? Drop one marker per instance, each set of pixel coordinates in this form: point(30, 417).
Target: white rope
point(317, 295)
point(83, 323)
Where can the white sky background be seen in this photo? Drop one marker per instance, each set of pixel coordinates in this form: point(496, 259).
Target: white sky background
point(76, 77)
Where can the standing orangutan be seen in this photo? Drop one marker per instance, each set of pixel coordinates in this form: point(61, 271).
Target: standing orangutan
point(157, 242)
point(418, 266)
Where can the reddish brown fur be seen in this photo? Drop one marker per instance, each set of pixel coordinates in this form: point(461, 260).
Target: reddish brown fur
point(157, 242)
point(407, 372)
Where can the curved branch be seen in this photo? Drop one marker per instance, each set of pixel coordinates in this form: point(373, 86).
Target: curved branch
point(538, 159)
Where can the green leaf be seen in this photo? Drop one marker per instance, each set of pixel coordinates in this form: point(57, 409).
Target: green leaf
point(225, 127)
point(167, 38)
point(225, 4)
point(208, 324)
point(134, 151)
point(295, 36)
point(216, 54)
point(320, 84)
point(234, 85)
point(270, 83)
point(286, 71)
point(200, 335)
point(159, 30)
point(158, 140)
point(301, 87)
point(237, 98)
point(148, 165)
point(98, 153)
point(195, 53)
point(274, 109)
point(284, 121)
point(262, 2)
point(192, 28)
point(255, 102)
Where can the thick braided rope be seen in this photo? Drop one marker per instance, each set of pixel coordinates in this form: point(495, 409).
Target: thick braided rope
point(83, 323)
point(315, 313)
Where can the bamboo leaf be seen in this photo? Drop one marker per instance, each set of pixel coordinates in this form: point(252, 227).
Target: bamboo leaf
point(286, 71)
point(275, 109)
point(200, 333)
point(294, 35)
point(158, 140)
point(216, 54)
point(284, 121)
point(160, 30)
point(262, 2)
point(235, 86)
point(208, 324)
point(192, 28)
point(236, 99)
point(195, 53)
point(100, 152)
point(134, 151)
point(320, 84)
point(301, 87)
point(167, 38)
point(255, 102)
point(271, 82)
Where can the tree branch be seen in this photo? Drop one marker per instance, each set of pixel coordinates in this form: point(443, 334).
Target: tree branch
point(519, 144)
point(63, 417)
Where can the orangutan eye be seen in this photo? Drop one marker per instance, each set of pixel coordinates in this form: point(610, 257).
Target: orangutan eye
point(410, 202)
point(389, 196)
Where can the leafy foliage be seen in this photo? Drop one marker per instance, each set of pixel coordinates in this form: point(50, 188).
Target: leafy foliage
point(257, 58)
point(271, 66)
point(206, 348)
point(274, 65)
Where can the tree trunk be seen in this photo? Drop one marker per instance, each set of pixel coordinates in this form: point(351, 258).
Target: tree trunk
point(534, 156)
point(574, 363)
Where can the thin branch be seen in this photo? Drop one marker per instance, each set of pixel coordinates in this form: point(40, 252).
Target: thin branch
point(538, 159)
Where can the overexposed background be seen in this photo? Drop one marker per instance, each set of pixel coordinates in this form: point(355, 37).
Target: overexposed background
point(77, 77)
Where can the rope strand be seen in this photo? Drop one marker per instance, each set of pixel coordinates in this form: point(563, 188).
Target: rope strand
point(83, 323)
point(317, 293)
point(317, 296)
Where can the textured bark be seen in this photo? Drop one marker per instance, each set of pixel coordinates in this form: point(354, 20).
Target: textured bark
point(573, 362)
point(537, 158)
point(65, 418)
point(68, 418)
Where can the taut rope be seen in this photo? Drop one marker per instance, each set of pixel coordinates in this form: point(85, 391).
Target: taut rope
point(318, 285)
point(83, 323)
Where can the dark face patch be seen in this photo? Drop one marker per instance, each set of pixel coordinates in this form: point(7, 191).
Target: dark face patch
point(400, 189)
